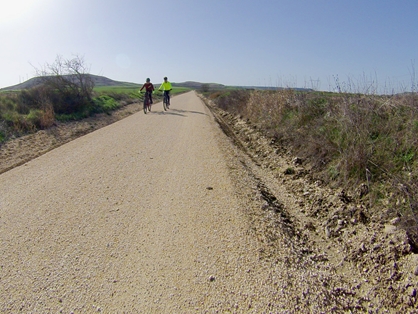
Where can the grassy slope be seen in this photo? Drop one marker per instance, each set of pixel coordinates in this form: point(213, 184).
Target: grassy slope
point(365, 144)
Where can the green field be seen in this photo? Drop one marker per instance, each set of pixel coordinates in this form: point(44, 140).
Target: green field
point(28, 110)
point(134, 89)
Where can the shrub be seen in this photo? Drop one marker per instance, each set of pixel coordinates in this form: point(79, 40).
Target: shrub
point(18, 123)
point(34, 117)
point(41, 119)
point(3, 131)
point(105, 104)
point(7, 102)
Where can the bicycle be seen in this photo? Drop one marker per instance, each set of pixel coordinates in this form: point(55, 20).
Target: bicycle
point(147, 102)
point(166, 101)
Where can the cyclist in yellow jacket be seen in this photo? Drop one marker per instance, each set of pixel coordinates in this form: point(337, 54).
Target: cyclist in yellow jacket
point(166, 87)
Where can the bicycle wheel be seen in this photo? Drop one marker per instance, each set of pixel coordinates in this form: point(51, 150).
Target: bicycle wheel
point(145, 105)
point(165, 103)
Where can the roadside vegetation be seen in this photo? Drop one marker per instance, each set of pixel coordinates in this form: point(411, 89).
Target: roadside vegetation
point(66, 93)
point(364, 144)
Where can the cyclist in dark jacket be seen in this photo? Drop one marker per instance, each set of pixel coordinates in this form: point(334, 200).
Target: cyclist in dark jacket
point(149, 88)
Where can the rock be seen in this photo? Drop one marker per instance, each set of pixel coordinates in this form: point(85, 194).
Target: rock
point(361, 216)
point(344, 197)
point(407, 300)
point(297, 161)
point(333, 200)
point(212, 278)
point(413, 262)
point(389, 229)
point(327, 232)
point(395, 221)
point(362, 190)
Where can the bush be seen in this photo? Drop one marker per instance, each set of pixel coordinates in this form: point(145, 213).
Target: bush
point(3, 131)
point(41, 119)
point(7, 102)
point(105, 104)
point(31, 99)
point(18, 123)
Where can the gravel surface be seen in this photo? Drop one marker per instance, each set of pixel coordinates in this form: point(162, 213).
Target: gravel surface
point(139, 216)
point(164, 213)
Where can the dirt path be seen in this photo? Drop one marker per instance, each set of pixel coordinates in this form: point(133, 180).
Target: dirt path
point(163, 213)
point(139, 216)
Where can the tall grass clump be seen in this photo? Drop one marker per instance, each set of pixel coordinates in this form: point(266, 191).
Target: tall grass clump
point(233, 101)
point(20, 114)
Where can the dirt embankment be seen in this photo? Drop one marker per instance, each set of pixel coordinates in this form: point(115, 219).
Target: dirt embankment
point(368, 264)
point(20, 150)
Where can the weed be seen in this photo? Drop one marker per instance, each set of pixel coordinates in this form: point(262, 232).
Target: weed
point(289, 171)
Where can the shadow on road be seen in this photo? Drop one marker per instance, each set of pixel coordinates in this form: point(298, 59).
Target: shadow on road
point(177, 112)
point(186, 111)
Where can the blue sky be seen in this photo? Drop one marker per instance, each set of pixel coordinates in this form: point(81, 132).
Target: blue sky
point(290, 43)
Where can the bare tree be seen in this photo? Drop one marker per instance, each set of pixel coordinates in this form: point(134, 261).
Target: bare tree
point(69, 84)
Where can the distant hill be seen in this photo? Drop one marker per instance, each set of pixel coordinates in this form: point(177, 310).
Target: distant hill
point(98, 81)
point(104, 81)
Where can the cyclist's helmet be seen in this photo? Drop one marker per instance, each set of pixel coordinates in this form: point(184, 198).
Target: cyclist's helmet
point(148, 80)
point(165, 78)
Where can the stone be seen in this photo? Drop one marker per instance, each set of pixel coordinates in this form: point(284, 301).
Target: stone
point(297, 161)
point(390, 229)
point(362, 190)
point(395, 221)
point(327, 232)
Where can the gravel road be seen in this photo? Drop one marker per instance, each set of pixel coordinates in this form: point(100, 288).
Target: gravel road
point(141, 216)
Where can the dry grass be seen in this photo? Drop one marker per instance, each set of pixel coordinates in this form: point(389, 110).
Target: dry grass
point(349, 139)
